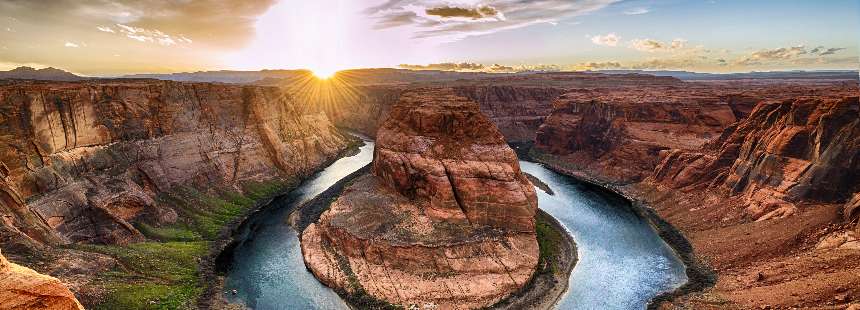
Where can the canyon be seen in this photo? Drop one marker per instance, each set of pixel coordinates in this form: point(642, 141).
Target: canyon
point(762, 184)
point(104, 177)
point(123, 164)
point(445, 218)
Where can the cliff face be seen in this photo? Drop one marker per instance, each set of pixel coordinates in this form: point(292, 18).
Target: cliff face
point(445, 218)
point(767, 200)
point(22, 288)
point(82, 162)
point(619, 134)
point(516, 111)
point(785, 152)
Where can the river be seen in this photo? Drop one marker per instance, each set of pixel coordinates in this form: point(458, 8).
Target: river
point(622, 264)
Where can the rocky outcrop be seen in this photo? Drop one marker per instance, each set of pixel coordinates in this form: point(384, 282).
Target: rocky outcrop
point(82, 162)
point(766, 202)
point(516, 104)
point(619, 133)
point(446, 218)
point(22, 288)
point(785, 152)
point(516, 111)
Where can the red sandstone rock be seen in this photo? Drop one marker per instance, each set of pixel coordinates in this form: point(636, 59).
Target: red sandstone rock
point(446, 218)
point(83, 161)
point(784, 153)
point(768, 195)
point(22, 288)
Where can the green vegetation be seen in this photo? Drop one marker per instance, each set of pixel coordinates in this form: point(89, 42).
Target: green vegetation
point(163, 273)
point(549, 242)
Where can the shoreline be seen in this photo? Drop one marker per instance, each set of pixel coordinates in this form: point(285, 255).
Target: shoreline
point(212, 265)
point(545, 288)
point(699, 275)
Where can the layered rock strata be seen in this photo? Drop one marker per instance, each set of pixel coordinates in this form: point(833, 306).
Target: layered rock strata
point(517, 105)
point(83, 162)
point(446, 217)
point(768, 202)
point(22, 288)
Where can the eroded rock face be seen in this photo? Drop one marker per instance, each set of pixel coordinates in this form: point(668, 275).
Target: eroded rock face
point(83, 161)
point(619, 133)
point(766, 201)
point(785, 152)
point(21, 288)
point(446, 218)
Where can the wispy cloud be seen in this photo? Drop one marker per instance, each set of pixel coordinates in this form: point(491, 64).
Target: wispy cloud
point(791, 54)
point(218, 23)
point(458, 20)
point(72, 45)
point(650, 45)
point(610, 39)
point(105, 29)
point(637, 11)
point(149, 35)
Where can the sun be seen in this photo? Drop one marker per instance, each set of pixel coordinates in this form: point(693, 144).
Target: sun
point(324, 73)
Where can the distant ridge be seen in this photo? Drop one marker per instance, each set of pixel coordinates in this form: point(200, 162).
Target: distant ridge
point(48, 74)
point(773, 75)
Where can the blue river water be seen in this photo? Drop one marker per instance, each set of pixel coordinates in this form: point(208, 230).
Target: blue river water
point(623, 263)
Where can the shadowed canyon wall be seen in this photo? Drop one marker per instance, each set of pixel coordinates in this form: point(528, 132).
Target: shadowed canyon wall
point(82, 162)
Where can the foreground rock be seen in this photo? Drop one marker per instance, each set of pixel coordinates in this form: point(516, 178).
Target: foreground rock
point(766, 202)
point(22, 288)
point(446, 218)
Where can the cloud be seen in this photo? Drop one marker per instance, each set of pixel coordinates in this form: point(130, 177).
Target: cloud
point(72, 45)
point(446, 66)
point(151, 35)
point(650, 45)
point(105, 29)
point(637, 11)
point(789, 55)
point(448, 21)
point(597, 65)
point(831, 51)
point(472, 13)
point(222, 24)
point(610, 39)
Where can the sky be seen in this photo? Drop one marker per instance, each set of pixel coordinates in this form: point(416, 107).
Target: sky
point(115, 37)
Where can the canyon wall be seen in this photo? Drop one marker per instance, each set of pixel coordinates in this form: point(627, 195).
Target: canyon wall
point(445, 219)
point(83, 162)
point(762, 179)
point(517, 105)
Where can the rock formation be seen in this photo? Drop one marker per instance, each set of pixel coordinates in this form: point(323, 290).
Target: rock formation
point(785, 152)
point(446, 218)
point(760, 177)
point(21, 288)
point(620, 132)
point(517, 104)
point(82, 162)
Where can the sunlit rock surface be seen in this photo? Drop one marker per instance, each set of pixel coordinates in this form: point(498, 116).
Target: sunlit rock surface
point(21, 288)
point(82, 162)
point(446, 218)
